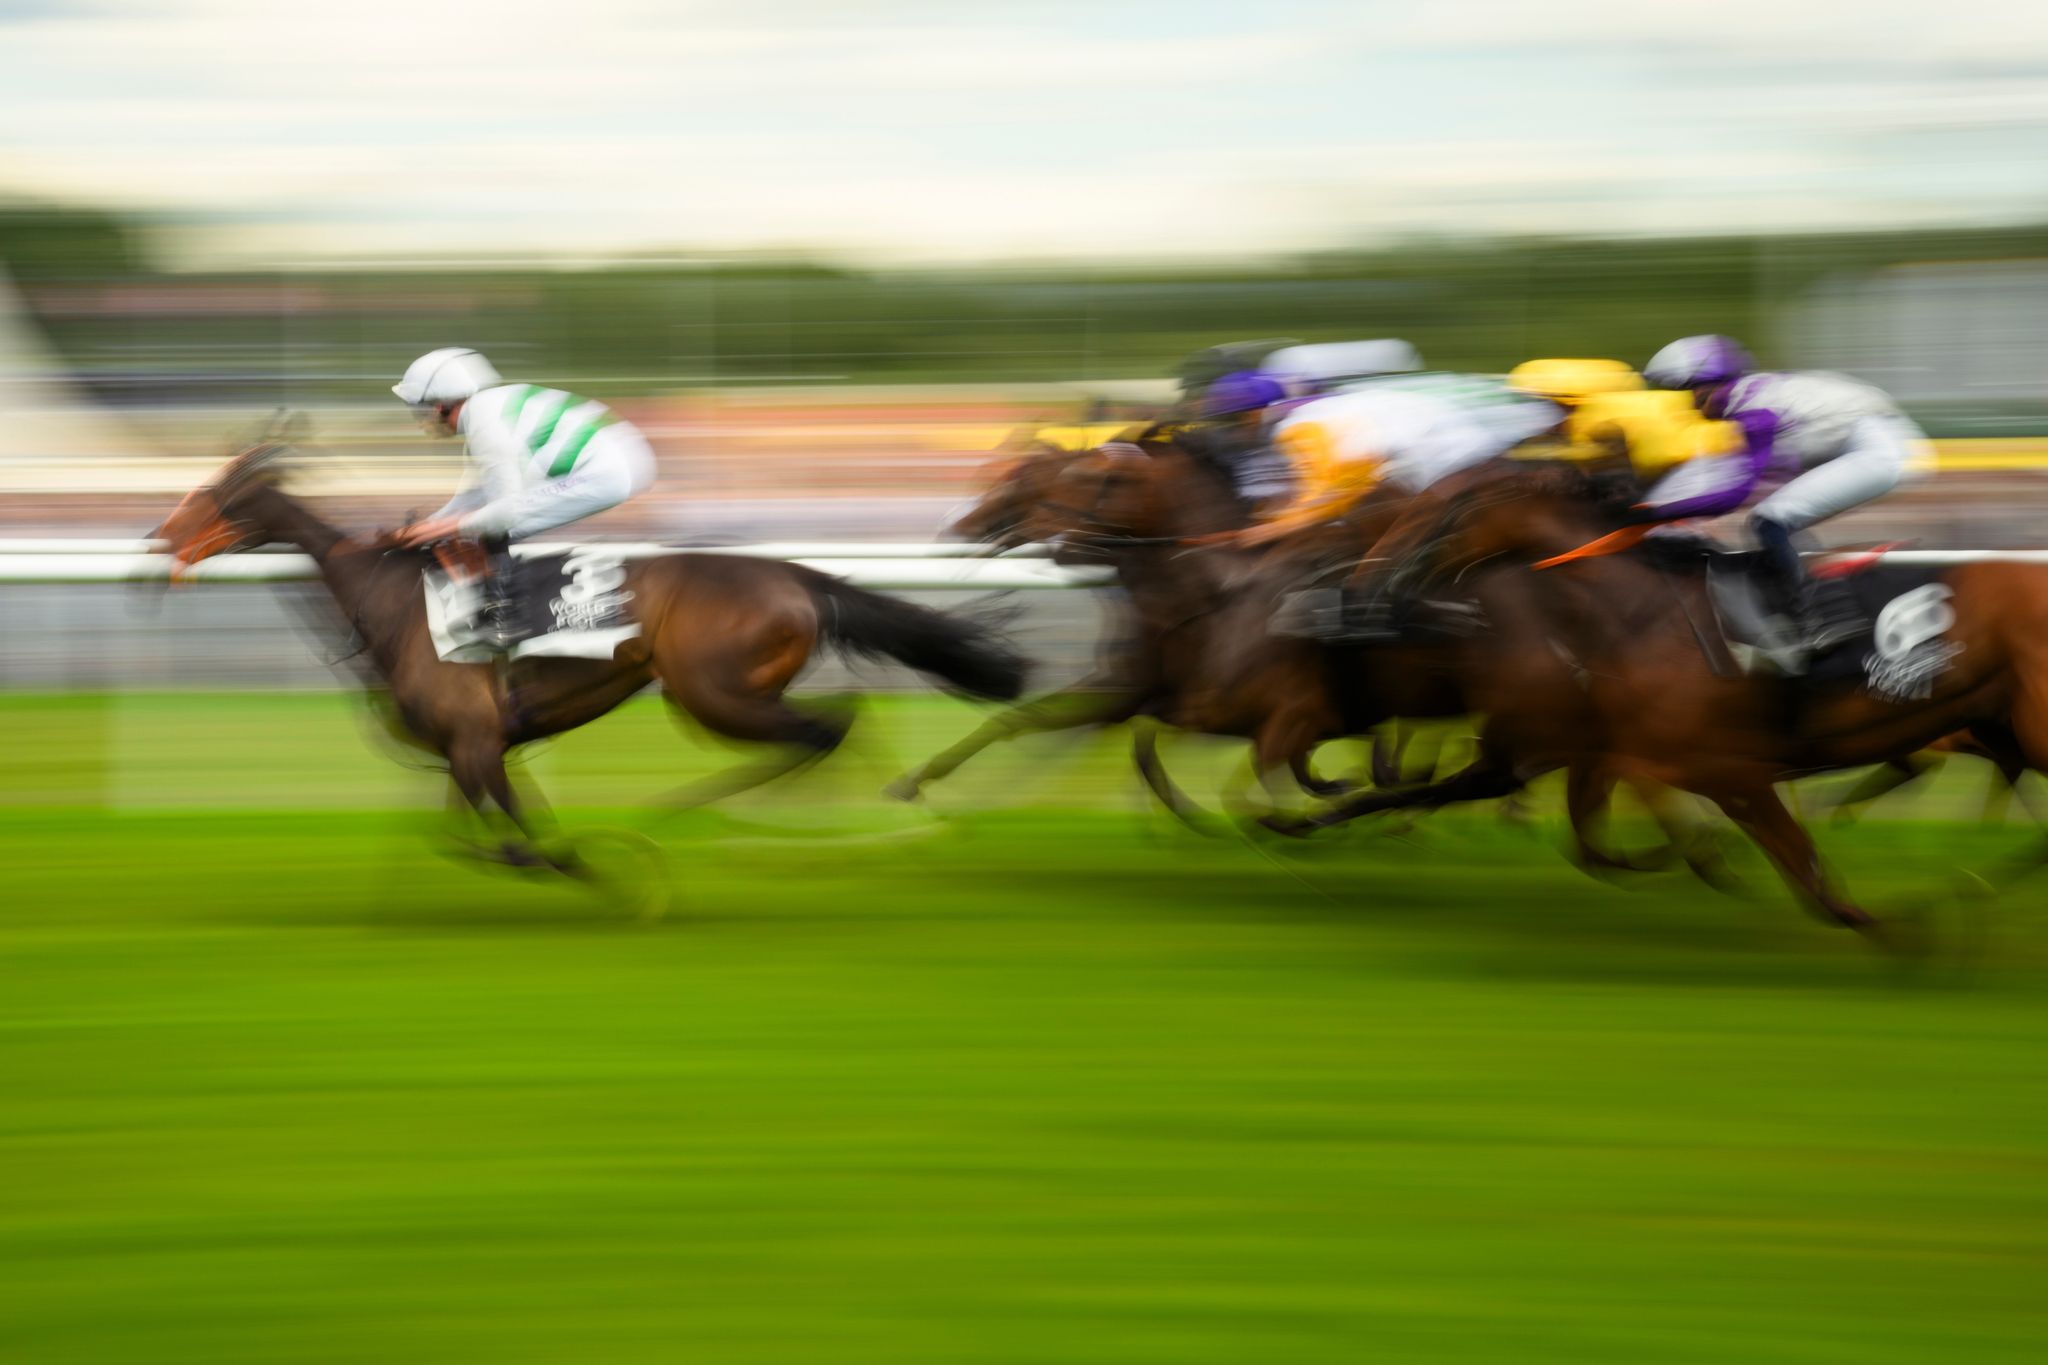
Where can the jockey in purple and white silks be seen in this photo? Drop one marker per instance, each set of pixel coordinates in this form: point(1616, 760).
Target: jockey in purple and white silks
point(1813, 445)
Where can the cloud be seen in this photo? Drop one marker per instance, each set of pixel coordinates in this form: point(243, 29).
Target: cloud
point(907, 125)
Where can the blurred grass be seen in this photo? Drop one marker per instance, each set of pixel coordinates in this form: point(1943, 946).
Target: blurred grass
point(1048, 1084)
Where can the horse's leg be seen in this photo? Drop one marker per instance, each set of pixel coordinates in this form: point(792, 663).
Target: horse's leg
point(1694, 839)
point(1145, 755)
point(1486, 778)
point(1323, 788)
point(1389, 746)
point(1589, 788)
point(1884, 779)
point(1757, 808)
point(804, 737)
point(2016, 748)
point(1282, 743)
point(1088, 702)
point(476, 763)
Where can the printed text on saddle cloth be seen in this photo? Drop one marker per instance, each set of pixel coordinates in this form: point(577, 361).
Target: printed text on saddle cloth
point(592, 593)
point(1909, 652)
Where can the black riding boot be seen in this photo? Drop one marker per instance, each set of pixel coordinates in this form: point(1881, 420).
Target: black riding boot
point(1822, 615)
point(501, 627)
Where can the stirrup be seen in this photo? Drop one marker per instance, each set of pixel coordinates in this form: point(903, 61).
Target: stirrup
point(498, 627)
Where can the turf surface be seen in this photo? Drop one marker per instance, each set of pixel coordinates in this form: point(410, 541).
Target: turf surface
point(1046, 1083)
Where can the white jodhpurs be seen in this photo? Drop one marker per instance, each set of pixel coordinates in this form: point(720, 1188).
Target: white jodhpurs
point(1883, 453)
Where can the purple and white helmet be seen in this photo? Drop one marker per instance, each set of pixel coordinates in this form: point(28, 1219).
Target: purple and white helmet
point(1241, 391)
point(1690, 362)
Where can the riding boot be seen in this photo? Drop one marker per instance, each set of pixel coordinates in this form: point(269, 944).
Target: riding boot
point(500, 624)
point(1791, 594)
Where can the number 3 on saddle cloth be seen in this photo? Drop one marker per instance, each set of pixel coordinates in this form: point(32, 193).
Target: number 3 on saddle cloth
point(565, 604)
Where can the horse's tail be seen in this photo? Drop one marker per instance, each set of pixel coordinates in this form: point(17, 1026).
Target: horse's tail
point(966, 650)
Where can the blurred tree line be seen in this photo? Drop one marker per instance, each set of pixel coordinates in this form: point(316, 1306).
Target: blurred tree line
point(646, 325)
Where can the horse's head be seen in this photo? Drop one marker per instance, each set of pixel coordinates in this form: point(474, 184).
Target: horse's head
point(1101, 495)
point(996, 517)
point(216, 518)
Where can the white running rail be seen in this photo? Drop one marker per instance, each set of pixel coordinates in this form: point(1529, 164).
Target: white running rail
point(872, 566)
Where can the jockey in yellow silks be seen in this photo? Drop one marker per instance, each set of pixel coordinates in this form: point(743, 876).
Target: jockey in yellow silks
point(1609, 412)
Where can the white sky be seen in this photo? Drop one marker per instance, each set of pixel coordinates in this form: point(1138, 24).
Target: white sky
point(980, 129)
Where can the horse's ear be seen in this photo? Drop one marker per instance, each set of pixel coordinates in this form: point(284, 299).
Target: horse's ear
point(271, 466)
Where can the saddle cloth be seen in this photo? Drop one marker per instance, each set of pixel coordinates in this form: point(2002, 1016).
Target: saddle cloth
point(1901, 612)
point(571, 604)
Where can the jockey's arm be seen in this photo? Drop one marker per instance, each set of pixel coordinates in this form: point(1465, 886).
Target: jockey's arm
point(1330, 482)
point(541, 507)
point(466, 500)
point(491, 504)
point(1301, 513)
point(1737, 472)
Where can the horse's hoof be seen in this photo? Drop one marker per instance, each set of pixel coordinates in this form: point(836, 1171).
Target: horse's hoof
point(1287, 826)
point(904, 788)
point(512, 853)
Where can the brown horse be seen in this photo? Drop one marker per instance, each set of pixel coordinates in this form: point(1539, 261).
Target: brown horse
point(1201, 654)
point(1670, 711)
point(723, 635)
point(1195, 652)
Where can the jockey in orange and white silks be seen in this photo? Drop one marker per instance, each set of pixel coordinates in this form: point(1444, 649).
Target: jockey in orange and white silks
point(1410, 431)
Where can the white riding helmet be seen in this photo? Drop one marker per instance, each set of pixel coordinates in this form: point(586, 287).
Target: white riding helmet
point(452, 374)
point(1334, 362)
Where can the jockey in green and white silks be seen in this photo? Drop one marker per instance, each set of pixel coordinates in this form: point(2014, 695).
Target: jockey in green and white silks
point(541, 458)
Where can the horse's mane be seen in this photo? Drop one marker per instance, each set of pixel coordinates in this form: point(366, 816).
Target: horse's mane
point(1610, 496)
point(1607, 494)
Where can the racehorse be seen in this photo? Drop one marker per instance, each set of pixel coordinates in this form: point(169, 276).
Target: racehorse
point(1668, 708)
point(1203, 655)
point(723, 636)
point(1132, 505)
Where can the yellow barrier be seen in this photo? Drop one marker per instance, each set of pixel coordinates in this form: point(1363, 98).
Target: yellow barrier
point(1986, 454)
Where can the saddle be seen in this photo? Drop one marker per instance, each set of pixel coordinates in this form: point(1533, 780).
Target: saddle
point(1894, 617)
point(567, 604)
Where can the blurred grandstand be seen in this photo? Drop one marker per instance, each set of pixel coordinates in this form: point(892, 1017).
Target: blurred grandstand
point(796, 400)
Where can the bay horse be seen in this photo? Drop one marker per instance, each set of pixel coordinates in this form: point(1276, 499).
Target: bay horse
point(1668, 710)
point(1132, 505)
point(723, 635)
point(1201, 654)
point(1204, 656)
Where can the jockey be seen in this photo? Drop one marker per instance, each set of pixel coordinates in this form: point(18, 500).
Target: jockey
point(1612, 417)
point(1409, 432)
point(1829, 442)
point(1200, 371)
point(1330, 366)
point(1239, 409)
point(542, 458)
point(1232, 433)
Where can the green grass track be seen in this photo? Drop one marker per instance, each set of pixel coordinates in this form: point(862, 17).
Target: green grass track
point(1048, 1082)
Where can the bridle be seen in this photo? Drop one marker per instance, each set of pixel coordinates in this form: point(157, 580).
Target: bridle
point(1113, 480)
